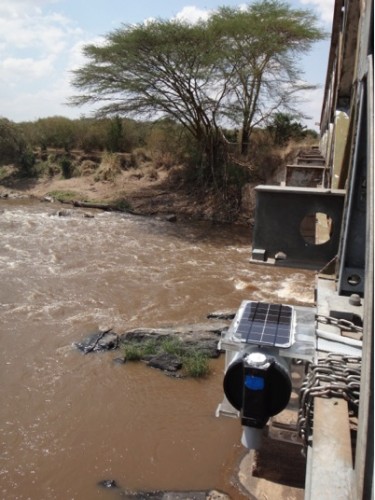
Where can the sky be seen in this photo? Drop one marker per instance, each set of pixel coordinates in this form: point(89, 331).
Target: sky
point(41, 43)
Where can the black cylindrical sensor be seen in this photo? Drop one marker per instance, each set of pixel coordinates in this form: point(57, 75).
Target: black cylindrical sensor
point(259, 386)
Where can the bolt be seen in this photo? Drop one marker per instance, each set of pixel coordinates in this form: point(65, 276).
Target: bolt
point(355, 299)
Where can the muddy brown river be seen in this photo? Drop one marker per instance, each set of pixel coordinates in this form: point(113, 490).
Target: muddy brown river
point(68, 420)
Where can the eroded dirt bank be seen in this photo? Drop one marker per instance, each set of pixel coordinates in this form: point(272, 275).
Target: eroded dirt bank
point(146, 191)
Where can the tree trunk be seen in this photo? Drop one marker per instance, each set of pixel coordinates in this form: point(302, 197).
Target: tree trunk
point(245, 135)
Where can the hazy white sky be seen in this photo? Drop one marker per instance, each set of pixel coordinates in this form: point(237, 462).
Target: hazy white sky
point(41, 41)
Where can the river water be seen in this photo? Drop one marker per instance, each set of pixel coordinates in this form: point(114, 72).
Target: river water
point(68, 420)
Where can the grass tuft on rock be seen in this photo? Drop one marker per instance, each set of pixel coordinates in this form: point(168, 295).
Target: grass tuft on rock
point(173, 345)
point(135, 351)
point(195, 363)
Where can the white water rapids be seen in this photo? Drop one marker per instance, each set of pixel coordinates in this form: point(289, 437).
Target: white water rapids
point(67, 420)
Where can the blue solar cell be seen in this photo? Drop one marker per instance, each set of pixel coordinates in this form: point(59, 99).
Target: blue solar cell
point(266, 324)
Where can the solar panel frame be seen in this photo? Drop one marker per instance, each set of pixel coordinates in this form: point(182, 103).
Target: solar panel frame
point(266, 324)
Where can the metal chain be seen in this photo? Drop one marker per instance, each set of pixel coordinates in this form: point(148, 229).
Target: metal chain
point(334, 376)
point(343, 324)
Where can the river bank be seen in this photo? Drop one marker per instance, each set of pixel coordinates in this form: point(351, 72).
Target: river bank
point(146, 190)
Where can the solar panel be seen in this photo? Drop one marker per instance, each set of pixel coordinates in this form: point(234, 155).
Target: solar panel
point(266, 324)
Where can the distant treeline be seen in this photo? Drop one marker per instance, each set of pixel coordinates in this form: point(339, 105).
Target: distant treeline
point(22, 143)
point(89, 134)
point(118, 134)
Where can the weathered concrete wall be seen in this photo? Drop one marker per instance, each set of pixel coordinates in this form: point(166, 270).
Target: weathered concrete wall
point(340, 138)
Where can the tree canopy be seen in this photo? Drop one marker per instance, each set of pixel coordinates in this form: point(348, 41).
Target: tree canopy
point(237, 68)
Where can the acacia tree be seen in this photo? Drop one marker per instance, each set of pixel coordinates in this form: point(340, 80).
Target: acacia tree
point(262, 45)
point(233, 67)
point(163, 68)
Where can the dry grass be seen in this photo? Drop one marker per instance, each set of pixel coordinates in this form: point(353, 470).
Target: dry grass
point(109, 168)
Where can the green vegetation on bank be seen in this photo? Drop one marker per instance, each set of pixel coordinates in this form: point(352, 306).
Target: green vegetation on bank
point(118, 204)
point(64, 196)
point(161, 144)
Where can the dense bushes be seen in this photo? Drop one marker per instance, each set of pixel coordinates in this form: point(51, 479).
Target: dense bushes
point(106, 146)
point(283, 128)
point(12, 143)
point(87, 134)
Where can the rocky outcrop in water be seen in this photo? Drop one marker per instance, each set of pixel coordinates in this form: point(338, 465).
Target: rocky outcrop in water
point(169, 344)
point(201, 336)
point(227, 314)
point(162, 495)
point(99, 341)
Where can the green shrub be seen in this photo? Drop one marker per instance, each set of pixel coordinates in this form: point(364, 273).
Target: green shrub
point(66, 167)
point(12, 143)
point(27, 162)
point(151, 347)
point(135, 351)
point(173, 346)
point(196, 364)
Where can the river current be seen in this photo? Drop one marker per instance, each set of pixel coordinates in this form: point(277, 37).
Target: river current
point(68, 421)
